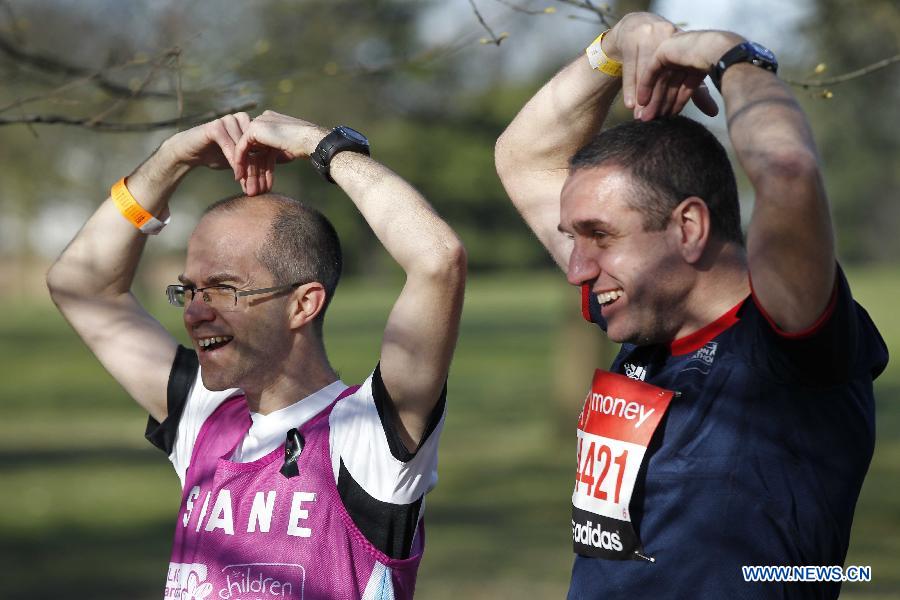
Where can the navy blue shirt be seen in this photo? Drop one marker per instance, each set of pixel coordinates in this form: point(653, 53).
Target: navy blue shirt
point(758, 461)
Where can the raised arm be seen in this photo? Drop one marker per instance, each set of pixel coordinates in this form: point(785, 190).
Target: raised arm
point(532, 155)
point(422, 328)
point(790, 242)
point(91, 281)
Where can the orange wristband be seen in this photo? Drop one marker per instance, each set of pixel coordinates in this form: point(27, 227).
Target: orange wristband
point(133, 211)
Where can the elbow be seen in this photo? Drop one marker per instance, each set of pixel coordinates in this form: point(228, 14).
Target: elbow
point(60, 285)
point(454, 261)
point(55, 281)
point(67, 283)
point(459, 260)
point(786, 166)
point(447, 263)
point(794, 163)
point(503, 156)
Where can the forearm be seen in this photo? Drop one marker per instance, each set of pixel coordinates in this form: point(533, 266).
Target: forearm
point(775, 147)
point(767, 126)
point(103, 256)
point(790, 241)
point(402, 220)
point(533, 153)
point(423, 324)
point(557, 121)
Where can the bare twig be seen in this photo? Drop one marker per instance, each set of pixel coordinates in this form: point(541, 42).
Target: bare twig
point(495, 39)
point(46, 96)
point(179, 92)
point(53, 65)
point(30, 127)
point(527, 11)
point(125, 127)
point(875, 66)
point(422, 58)
point(585, 19)
point(136, 92)
point(13, 22)
point(603, 11)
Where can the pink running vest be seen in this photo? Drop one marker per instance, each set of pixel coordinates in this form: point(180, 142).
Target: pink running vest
point(246, 531)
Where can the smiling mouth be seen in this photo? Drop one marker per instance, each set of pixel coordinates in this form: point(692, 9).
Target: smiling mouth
point(608, 297)
point(213, 343)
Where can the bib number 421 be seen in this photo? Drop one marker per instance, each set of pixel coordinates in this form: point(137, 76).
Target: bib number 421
point(599, 457)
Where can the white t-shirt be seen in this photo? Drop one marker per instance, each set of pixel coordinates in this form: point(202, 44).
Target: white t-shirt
point(357, 438)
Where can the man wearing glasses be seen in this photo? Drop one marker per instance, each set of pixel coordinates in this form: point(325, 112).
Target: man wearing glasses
point(293, 482)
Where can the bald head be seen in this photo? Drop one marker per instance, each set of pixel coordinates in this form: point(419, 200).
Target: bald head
point(300, 245)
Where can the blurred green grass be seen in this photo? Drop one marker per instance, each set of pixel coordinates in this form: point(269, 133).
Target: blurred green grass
point(87, 507)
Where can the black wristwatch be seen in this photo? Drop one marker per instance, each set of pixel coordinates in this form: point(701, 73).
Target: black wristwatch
point(749, 52)
point(341, 138)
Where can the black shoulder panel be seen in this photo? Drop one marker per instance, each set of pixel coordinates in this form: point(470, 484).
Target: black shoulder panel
point(181, 377)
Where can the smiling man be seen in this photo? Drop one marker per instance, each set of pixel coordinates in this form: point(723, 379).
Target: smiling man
point(294, 484)
point(736, 425)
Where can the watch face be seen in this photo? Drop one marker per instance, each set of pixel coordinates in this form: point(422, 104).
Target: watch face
point(762, 51)
point(353, 134)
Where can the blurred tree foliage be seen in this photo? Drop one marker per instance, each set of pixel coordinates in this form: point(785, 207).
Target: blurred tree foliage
point(858, 129)
point(425, 120)
point(432, 108)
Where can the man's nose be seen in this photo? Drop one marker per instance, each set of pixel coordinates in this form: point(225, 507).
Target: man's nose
point(583, 266)
point(198, 311)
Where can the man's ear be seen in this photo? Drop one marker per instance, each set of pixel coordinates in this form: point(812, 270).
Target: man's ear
point(692, 224)
point(307, 301)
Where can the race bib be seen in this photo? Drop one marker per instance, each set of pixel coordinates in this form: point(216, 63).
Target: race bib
point(618, 419)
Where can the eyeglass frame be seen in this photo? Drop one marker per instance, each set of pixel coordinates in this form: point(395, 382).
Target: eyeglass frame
point(171, 290)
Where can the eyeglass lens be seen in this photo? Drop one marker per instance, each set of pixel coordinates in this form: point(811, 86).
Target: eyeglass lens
point(219, 297)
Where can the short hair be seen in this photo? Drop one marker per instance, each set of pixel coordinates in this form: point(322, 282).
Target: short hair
point(670, 159)
point(301, 246)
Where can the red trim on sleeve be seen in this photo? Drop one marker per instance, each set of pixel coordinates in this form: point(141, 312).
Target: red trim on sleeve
point(586, 302)
point(809, 331)
point(694, 341)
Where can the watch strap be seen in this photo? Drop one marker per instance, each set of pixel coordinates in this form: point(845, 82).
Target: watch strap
point(745, 52)
point(338, 140)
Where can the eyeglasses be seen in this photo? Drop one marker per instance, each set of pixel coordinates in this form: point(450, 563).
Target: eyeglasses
point(219, 297)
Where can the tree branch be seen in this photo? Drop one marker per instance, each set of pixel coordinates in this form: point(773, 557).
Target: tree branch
point(89, 123)
point(52, 65)
point(875, 66)
point(179, 92)
point(139, 90)
point(603, 12)
point(528, 11)
point(494, 39)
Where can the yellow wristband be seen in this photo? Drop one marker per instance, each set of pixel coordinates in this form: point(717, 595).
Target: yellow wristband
point(600, 61)
point(133, 211)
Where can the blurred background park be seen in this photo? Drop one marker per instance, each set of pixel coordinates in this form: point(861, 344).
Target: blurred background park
point(89, 88)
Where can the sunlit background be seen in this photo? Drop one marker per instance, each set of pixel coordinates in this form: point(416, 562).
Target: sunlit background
point(87, 506)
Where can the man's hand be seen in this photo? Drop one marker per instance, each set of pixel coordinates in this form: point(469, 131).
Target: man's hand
point(681, 61)
point(213, 144)
point(270, 138)
point(634, 42)
point(208, 145)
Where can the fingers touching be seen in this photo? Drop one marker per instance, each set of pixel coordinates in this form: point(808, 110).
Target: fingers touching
point(662, 67)
point(703, 100)
point(252, 147)
point(249, 148)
